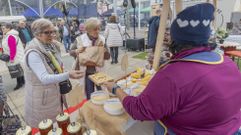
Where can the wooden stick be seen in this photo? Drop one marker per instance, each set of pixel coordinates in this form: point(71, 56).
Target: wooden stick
point(161, 32)
point(178, 4)
point(215, 3)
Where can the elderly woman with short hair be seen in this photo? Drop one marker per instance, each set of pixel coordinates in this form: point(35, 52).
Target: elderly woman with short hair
point(89, 39)
point(44, 72)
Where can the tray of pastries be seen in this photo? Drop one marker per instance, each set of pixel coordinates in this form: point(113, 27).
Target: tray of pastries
point(100, 78)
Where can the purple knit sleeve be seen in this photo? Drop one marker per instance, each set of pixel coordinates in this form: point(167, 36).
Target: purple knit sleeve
point(159, 99)
point(12, 44)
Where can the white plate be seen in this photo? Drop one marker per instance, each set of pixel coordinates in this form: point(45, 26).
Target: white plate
point(99, 93)
point(111, 111)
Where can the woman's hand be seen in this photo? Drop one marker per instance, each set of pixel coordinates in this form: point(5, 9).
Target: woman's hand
point(75, 74)
point(109, 85)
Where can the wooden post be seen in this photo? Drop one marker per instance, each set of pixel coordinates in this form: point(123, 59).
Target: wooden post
point(161, 32)
point(215, 3)
point(178, 4)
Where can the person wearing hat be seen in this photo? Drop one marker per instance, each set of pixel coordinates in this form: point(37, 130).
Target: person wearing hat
point(198, 92)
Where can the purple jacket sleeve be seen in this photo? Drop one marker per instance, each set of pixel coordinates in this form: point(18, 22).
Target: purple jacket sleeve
point(159, 99)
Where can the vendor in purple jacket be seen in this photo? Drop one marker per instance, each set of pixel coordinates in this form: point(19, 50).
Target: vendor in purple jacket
point(200, 93)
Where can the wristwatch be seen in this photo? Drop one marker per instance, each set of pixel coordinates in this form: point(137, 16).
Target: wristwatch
point(114, 88)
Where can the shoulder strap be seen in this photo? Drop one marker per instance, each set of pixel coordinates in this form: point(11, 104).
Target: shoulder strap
point(46, 57)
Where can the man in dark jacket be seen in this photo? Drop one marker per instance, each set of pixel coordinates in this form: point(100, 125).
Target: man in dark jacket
point(25, 33)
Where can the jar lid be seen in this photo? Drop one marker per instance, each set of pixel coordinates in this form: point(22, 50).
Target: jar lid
point(90, 132)
point(55, 131)
point(24, 130)
point(45, 124)
point(74, 127)
point(62, 117)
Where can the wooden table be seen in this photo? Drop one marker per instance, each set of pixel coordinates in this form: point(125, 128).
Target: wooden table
point(96, 118)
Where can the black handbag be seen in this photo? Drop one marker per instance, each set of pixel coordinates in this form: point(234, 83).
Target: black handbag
point(9, 122)
point(15, 70)
point(5, 57)
point(65, 87)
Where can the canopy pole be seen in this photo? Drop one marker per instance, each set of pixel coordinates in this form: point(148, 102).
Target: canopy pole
point(178, 6)
point(161, 32)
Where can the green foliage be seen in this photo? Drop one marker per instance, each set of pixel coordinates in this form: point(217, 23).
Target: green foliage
point(141, 56)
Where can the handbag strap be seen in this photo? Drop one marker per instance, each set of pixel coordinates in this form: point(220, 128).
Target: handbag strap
point(64, 103)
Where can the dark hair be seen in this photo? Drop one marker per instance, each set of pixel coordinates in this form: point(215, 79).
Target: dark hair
point(175, 48)
point(8, 25)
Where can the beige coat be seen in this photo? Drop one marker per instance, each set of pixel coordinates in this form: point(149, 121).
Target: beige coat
point(41, 101)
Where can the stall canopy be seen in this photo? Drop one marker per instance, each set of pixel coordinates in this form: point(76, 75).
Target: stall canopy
point(53, 12)
point(50, 13)
point(30, 13)
point(73, 12)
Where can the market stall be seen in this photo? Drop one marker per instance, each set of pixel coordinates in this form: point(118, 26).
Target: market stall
point(104, 113)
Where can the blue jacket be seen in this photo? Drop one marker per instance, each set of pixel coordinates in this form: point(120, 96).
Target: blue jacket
point(153, 31)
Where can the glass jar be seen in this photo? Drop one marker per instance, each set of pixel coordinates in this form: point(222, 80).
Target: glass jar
point(45, 126)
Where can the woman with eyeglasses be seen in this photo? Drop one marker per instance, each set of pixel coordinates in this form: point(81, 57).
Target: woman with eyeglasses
point(44, 71)
point(13, 47)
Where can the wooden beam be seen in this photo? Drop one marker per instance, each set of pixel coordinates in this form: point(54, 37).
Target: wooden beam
point(178, 4)
point(161, 32)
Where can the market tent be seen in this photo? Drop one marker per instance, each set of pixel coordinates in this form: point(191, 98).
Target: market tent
point(73, 12)
point(53, 12)
point(30, 13)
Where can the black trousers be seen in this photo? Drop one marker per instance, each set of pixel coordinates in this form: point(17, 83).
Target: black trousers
point(114, 53)
point(20, 81)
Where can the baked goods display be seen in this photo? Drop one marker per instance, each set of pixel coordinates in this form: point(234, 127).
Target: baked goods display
point(100, 78)
point(136, 82)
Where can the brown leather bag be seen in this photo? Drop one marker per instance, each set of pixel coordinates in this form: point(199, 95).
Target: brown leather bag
point(106, 54)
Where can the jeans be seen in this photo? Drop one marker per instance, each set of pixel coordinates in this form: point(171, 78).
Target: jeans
point(114, 54)
point(67, 42)
point(160, 130)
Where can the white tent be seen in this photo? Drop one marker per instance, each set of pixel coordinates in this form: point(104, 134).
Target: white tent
point(11, 18)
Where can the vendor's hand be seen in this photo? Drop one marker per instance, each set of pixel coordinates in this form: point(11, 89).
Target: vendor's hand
point(75, 74)
point(109, 85)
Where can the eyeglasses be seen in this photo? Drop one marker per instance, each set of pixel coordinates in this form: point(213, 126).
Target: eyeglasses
point(49, 32)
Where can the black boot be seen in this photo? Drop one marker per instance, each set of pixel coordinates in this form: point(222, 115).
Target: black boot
point(19, 83)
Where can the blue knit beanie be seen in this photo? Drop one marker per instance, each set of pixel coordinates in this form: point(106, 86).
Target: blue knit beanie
point(192, 25)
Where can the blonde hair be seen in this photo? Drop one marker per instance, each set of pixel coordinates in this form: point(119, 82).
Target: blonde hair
point(92, 23)
point(40, 25)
